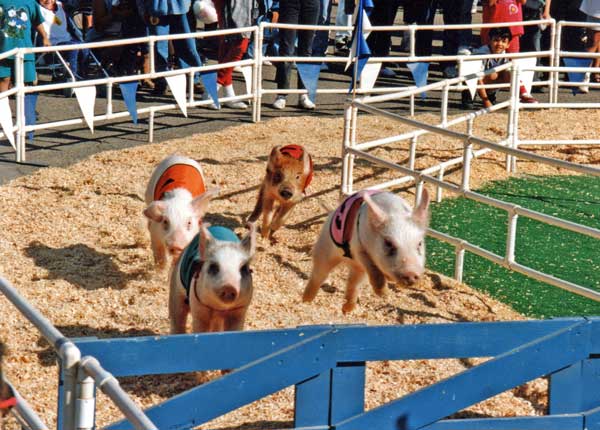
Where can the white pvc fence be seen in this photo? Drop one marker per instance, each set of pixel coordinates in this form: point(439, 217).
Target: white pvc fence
point(80, 375)
point(256, 89)
point(508, 146)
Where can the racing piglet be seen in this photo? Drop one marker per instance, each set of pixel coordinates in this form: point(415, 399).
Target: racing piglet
point(376, 234)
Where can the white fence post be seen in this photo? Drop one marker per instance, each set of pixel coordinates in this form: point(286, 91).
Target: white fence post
point(85, 404)
point(459, 262)
point(20, 106)
point(511, 236)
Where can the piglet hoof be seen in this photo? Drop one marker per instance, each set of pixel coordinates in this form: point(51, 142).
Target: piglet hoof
point(265, 233)
point(348, 307)
point(308, 296)
point(273, 240)
point(381, 291)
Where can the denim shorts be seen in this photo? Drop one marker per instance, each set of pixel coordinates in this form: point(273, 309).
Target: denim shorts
point(8, 69)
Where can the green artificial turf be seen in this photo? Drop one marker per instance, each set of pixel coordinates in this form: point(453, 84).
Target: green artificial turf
point(566, 255)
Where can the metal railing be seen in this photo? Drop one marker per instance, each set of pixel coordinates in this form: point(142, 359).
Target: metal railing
point(256, 65)
point(76, 406)
point(509, 146)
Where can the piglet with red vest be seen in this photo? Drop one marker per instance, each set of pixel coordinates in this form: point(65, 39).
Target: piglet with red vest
point(176, 199)
point(213, 281)
point(289, 172)
point(377, 234)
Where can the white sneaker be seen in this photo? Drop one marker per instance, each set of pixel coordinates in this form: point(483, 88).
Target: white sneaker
point(211, 105)
point(236, 105)
point(279, 103)
point(586, 80)
point(305, 103)
point(464, 50)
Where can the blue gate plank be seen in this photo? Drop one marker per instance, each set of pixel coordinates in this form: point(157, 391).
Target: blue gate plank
point(189, 352)
point(209, 351)
point(311, 398)
point(433, 341)
point(309, 357)
point(592, 419)
point(554, 422)
point(506, 371)
point(575, 388)
point(347, 391)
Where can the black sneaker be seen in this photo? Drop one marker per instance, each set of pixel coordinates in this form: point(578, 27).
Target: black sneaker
point(492, 96)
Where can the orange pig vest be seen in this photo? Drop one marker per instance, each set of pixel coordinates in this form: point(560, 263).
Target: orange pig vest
point(180, 176)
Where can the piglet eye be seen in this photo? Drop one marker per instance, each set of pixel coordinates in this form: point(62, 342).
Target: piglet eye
point(189, 225)
point(298, 177)
point(213, 269)
point(277, 177)
point(390, 248)
point(165, 224)
point(245, 270)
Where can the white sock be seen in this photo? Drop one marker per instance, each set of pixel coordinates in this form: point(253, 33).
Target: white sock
point(228, 91)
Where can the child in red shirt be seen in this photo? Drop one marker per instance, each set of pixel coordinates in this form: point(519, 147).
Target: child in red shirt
point(504, 11)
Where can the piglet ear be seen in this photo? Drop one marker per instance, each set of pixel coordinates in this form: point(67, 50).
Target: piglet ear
point(274, 156)
point(377, 217)
point(205, 240)
point(306, 162)
point(155, 211)
point(200, 203)
point(249, 241)
point(420, 214)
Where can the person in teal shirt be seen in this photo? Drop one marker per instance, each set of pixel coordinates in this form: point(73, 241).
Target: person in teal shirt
point(17, 19)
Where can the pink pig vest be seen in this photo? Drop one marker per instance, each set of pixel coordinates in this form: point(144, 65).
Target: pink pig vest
point(343, 220)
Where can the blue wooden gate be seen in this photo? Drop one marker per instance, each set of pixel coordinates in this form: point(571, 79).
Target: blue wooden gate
point(326, 364)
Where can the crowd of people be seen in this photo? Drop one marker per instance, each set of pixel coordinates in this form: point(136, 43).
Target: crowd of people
point(120, 19)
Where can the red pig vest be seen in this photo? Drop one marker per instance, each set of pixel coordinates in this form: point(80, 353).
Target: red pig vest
point(342, 221)
point(296, 151)
point(180, 176)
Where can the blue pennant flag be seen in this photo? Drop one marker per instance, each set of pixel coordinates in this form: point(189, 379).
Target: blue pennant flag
point(419, 72)
point(309, 73)
point(576, 76)
point(209, 79)
point(129, 90)
point(30, 115)
point(360, 49)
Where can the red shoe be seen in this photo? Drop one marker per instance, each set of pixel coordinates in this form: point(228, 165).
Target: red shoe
point(527, 98)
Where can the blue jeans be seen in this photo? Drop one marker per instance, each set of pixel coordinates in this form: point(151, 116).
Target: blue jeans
point(75, 57)
point(321, 40)
point(187, 54)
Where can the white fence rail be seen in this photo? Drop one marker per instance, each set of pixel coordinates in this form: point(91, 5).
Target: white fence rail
point(509, 146)
point(257, 91)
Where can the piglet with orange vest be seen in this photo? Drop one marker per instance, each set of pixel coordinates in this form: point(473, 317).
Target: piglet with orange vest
point(289, 172)
point(377, 234)
point(176, 199)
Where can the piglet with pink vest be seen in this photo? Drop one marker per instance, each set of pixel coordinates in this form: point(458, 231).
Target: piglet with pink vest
point(176, 199)
point(377, 234)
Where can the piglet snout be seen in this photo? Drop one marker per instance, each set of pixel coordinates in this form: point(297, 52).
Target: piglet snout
point(286, 194)
point(227, 294)
point(409, 277)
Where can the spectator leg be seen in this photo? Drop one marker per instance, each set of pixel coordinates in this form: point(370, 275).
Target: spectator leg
point(309, 14)
point(321, 41)
point(289, 13)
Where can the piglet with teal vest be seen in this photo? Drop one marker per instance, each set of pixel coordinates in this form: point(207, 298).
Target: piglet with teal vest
point(212, 281)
